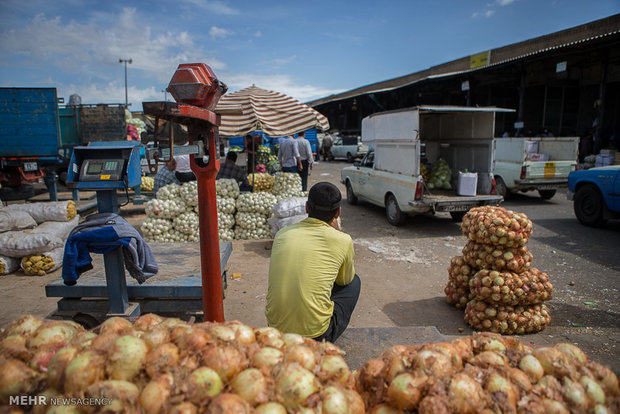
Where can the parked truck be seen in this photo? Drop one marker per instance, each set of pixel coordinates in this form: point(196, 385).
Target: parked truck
point(534, 163)
point(390, 175)
point(37, 136)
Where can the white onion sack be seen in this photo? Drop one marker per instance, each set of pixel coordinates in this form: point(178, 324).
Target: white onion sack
point(225, 221)
point(189, 193)
point(61, 229)
point(186, 223)
point(168, 209)
point(226, 205)
point(156, 229)
point(226, 188)
point(48, 211)
point(251, 221)
point(258, 203)
point(20, 244)
point(289, 207)
point(8, 264)
point(39, 265)
point(169, 192)
point(259, 233)
point(11, 220)
point(227, 234)
point(287, 184)
point(278, 223)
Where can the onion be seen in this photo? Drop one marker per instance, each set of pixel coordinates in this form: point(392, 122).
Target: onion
point(334, 368)
point(155, 394)
point(83, 370)
point(84, 340)
point(385, 409)
point(267, 358)
point(127, 358)
point(203, 383)
point(243, 334)
point(301, 354)
point(43, 408)
point(58, 364)
point(554, 407)
point(226, 360)
point(465, 394)
point(193, 339)
point(41, 359)
point(156, 336)
point(15, 379)
point(116, 325)
point(269, 337)
point(296, 384)
point(369, 375)
point(161, 358)
point(222, 332)
point(251, 385)
point(355, 402)
point(170, 323)
point(228, 404)
point(553, 361)
point(334, 401)
point(25, 325)
point(532, 368)
point(434, 364)
point(55, 334)
point(520, 378)
point(406, 390)
point(14, 346)
point(593, 390)
point(463, 347)
point(124, 395)
point(291, 339)
point(575, 394)
point(503, 392)
point(148, 321)
point(271, 408)
point(103, 343)
point(488, 358)
point(573, 352)
point(184, 408)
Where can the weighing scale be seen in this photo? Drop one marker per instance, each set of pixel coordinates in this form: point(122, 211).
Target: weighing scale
point(109, 168)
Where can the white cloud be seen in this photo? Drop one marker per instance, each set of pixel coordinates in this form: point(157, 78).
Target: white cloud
point(504, 2)
point(283, 61)
point(279, 83)
point(216, 32)
point(111, 93)
point(489, 13)
point(214, 6)
point(258, 33)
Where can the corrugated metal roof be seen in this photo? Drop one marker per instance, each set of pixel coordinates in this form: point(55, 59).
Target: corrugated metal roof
point(586, 33)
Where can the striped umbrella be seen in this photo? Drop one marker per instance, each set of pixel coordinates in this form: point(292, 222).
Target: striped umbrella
point(273, 113)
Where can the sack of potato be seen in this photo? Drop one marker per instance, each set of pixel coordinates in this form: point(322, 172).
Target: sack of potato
point(48, 211)
point(40, 264)
point(488, 256)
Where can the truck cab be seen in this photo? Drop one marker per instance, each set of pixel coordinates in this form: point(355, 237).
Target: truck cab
point(595, 194)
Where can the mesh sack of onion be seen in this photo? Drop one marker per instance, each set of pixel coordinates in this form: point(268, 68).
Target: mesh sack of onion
point(488, 256)
point(496, 226)
point(508, 320)
point(531, 287)
point(457, 289)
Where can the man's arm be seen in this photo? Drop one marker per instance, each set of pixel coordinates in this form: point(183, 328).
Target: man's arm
point(347, 270)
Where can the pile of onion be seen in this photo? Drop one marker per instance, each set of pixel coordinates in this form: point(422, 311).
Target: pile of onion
point(496, 226)
point(489, 256)
point(486, 373)
point(508, 320)
point(531, 287)
point(166, 365)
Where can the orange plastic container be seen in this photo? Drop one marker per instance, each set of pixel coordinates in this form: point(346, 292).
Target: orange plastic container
point(196, 84)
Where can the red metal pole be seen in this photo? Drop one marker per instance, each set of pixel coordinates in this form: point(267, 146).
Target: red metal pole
point(212, 292)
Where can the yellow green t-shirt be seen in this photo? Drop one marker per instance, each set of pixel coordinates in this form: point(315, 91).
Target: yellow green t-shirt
point(307, 258)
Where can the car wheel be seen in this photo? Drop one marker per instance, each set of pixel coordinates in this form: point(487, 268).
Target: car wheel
point(350, 157)
point(500, 188)
point(351, 197)
point(546, 194)
point(458, 215)
point(588, 206)
point(394, 216)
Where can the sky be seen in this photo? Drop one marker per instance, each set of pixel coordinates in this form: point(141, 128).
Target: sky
point(306, 49)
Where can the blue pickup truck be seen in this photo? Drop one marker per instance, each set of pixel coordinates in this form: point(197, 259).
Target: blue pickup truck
point(595, 194)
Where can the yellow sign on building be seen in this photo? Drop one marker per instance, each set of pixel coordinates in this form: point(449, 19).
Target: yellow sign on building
point(479, 60)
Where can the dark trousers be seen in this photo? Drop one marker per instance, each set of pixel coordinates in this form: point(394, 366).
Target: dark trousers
point(290, 169)
point(344, 298)
point(185, 177)
point(305, 167)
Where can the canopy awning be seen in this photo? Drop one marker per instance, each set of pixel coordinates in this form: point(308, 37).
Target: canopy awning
point(273, 113)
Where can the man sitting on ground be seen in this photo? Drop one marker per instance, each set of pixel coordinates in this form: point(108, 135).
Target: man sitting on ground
point(230, 169)
point(313, 287)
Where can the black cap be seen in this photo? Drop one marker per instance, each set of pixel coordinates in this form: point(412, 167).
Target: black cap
point(324, 196)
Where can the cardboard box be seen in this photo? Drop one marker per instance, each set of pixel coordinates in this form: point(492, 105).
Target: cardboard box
point(603, 160)
point(467, 183)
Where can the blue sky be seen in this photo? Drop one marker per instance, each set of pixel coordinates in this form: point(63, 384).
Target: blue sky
point(307, 49)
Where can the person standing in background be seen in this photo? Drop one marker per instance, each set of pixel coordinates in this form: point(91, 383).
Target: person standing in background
point(183, 171)
point(305, 153)
point(289, 156)
point(327, 147)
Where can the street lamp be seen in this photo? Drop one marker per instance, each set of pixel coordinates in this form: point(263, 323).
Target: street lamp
point(125, 61)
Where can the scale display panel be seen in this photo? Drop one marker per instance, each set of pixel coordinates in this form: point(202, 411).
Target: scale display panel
point(102, 170)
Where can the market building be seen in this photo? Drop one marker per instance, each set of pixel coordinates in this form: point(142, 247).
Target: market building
point(565, 83)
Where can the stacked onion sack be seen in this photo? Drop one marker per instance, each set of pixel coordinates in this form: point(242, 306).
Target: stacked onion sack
point(493, 279)
point(163, 366)
point(227, 192)
point(487, 373)
point(287, 185)
point(253, 210)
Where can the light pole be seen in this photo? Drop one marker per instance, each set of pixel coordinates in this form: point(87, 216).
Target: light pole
point(125, 61)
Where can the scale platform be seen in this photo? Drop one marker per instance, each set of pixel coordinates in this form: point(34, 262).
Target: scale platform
point(176, 289)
